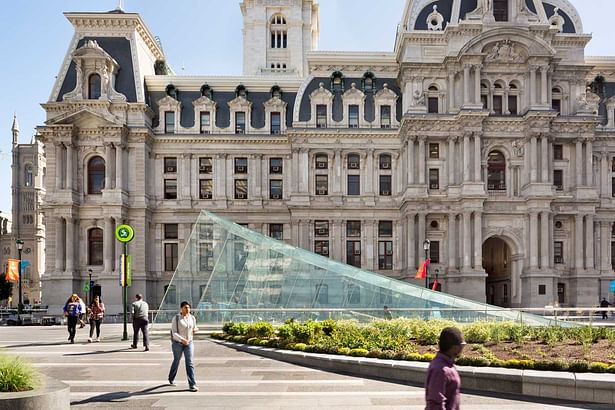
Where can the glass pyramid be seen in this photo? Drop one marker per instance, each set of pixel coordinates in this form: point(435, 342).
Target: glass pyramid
point(230, 273)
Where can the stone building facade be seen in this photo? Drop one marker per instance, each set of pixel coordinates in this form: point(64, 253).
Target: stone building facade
point(486, 130)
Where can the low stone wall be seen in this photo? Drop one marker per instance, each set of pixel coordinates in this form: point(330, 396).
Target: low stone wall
point(582, 387)
point(51, 395)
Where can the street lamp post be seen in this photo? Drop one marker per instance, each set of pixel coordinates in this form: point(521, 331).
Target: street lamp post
point(89, 296)
point(426, 245)
point(19, 243)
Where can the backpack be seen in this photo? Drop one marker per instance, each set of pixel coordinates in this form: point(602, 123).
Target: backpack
point(175, 320)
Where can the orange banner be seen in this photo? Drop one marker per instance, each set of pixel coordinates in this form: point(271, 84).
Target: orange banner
point(12, 270)
point(422, 272)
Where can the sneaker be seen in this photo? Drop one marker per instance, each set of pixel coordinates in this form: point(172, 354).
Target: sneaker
point(72, 342)
point(133, 346)
point(89, 340)
point(146, 349)
point(98, 339)
point(193, 388)
point(172, 383)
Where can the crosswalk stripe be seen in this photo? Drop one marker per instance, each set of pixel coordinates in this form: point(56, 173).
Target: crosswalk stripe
point(167, 393)
point(120, 383)
point(82, 364)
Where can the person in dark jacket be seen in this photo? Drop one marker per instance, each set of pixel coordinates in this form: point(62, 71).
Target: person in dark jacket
point(72, 311)
point(605, 304)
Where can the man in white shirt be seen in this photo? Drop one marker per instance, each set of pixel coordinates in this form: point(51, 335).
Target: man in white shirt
point(183, 326)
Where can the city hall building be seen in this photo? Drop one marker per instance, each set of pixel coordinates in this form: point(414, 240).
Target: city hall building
point(484, 129)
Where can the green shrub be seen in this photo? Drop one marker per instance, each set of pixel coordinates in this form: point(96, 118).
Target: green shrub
point(238, 329)
point(264, 330)
point(239, 339)
point(598, 367)
point(578, 366)
point(16, 375)
point(228, 337)
point(478, 332)
point(555, 366)
point(285, 332)
point(473, 361)
point(611, 369)
point(358, 352)
point(253, 341)
point(299, 346)
point(343, 351)
point(226, 328)
point(519, 364)
point(376, 353)
point(328, 326)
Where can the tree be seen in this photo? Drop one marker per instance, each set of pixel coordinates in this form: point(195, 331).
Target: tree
point(5, 288)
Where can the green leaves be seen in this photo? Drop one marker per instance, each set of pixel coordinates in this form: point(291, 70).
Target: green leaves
point(16, 375)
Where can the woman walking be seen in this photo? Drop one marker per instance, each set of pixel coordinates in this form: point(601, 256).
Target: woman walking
point(183, 326)
point(97, 312)
point(72, 311)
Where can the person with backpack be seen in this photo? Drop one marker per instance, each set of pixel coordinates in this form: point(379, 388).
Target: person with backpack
point(72, 311)
point(183, 326)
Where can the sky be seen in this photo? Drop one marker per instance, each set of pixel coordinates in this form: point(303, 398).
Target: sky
point(199, 37)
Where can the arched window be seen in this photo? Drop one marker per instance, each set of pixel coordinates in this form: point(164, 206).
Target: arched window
point(496, 171)
point(337, 82)
point(28, 179)
point(368, 82)
point(498, 99)
point(433, 102)
point(95, 246)
point(94, 87)
point(556, 99)
point(279, 31)
point(96, 175)
point(513, 99)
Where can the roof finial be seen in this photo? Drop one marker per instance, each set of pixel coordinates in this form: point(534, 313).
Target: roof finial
point(15, 129)
point(119, 7)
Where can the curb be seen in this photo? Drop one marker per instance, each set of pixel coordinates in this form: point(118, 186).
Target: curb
point(582, 387)
point(51, 395)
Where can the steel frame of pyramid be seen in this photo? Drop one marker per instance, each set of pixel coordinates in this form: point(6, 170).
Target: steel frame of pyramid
point(230, 273)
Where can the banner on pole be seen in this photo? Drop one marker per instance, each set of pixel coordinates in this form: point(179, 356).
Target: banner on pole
point(612, 287)
point(125, 271)
point(12, 270)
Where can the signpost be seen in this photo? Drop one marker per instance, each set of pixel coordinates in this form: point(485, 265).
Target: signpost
point(125, 234)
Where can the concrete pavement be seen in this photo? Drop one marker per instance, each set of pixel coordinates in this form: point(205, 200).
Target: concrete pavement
point(110, 375)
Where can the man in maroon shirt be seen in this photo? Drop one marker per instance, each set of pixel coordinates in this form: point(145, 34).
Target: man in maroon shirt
point(443, 382)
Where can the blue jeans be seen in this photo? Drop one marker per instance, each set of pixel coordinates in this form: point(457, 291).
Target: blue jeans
point(188, 351)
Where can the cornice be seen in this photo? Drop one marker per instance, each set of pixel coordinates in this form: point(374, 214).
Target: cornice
point(220, 83)
point(241, 140)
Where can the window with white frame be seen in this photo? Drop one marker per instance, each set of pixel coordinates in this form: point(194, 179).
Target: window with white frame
point(279, 31)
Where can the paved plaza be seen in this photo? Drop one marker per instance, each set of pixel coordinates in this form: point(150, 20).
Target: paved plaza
point(110, 375)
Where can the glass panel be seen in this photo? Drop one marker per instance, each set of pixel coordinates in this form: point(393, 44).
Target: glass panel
point(255, 277)
point(353, 116)
point(321, 116)
point(385, 116)
point(240, 122)
point(275, 123)
point(354, 185)
point(169, 122)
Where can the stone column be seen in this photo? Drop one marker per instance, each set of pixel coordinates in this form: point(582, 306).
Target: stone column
point(304, 169)
point(589, 162)
point(605, 244)
point(70, 244)
point(478, 240)
point(108, 165)
point(421, 160)
point(467, 241)
point(411, 243)
point(533, 159)
point(295, 170)
point(533, 240)
point(532, 89)
point(604, 175)
point(544, 240)
point(543, 85)
point(220, 191)
point(107, 245)
point(451, 91)
point(119, 167)
point(450, 161)
point(477, 69)
point(452, 241)
point(505, 108)
point(466, 157)
point(411, 161)
point(69, 166)
point(477, 158)
point(335, 247)
point(578, 241)
point(336, 181)
point(185, 180)
point(369, 172)
point(60, 243)
point(466, 84)
point(579, 161)
point(589, 241)
point(58, 163)
point(544, 140)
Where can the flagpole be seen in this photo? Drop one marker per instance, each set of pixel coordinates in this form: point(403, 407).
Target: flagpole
point(426, 246)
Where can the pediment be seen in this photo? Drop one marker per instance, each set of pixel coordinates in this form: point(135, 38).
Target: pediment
point(168, 101)
point(239, 102)
point(274, 102)
point(85, 117)
point(354, 93)
point(507, 46)
point(203, 101)
point(386, 94)
point(321, 91)
point(92, 49)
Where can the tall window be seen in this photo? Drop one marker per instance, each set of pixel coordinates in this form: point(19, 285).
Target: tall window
point(321, 228)
point(353, 116)
point(354, 161)
point(321, 116)
point(322, 184)
point(558, 179)
point(96, 175)
point(512, 99)
point(241, 189)
point(556, 99)
point(205, 165)
point(28, 179)
point(434, 178)
point(275, 165)
point(94, 87)
point(276, 123)
point(434, 151)
point(434, 251)
point(353, 229)
point(275, 189)
point(206, 256)
point(170, 256)
point(279, 32)
point(206, 188)
point(385, 255)
point(385, 185)
point(558, 252)
point(95, 247)
point(321, 248)
point(385, 161)
point(276, 231)
point(558, 151)
point(354, 184)
point(240, 122)
point(500, 10)
point(169, 122)
point(385, 229)
point(241, 165)
point(170, 165)
point(497, 104)
point(496, 171)
point(353, 253)
point(385, 116)
point(432, 105)
point(205, 122)
point(171, 231)
point(170, 189)
point(322, 161)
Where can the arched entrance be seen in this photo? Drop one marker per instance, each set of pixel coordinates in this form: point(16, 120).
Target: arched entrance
point(497, 263)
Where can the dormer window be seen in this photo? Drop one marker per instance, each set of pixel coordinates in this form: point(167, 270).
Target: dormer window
point(241, 91)
point(94, 87)
point(206, 91)
point(337, 83)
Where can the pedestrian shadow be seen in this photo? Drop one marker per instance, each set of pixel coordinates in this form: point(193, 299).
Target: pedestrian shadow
point(62, 343)
point(121, 396)
point(98, 352)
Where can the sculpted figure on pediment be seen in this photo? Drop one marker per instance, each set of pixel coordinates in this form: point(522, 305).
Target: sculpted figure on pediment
point(419, 98)
point(505, 51)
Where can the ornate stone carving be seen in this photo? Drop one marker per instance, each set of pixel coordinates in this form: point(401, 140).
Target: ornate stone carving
point(556, 20)
point(518, 147)
point(418, 98)
point(435, 20)
point(587, 103)
point(505, 51)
